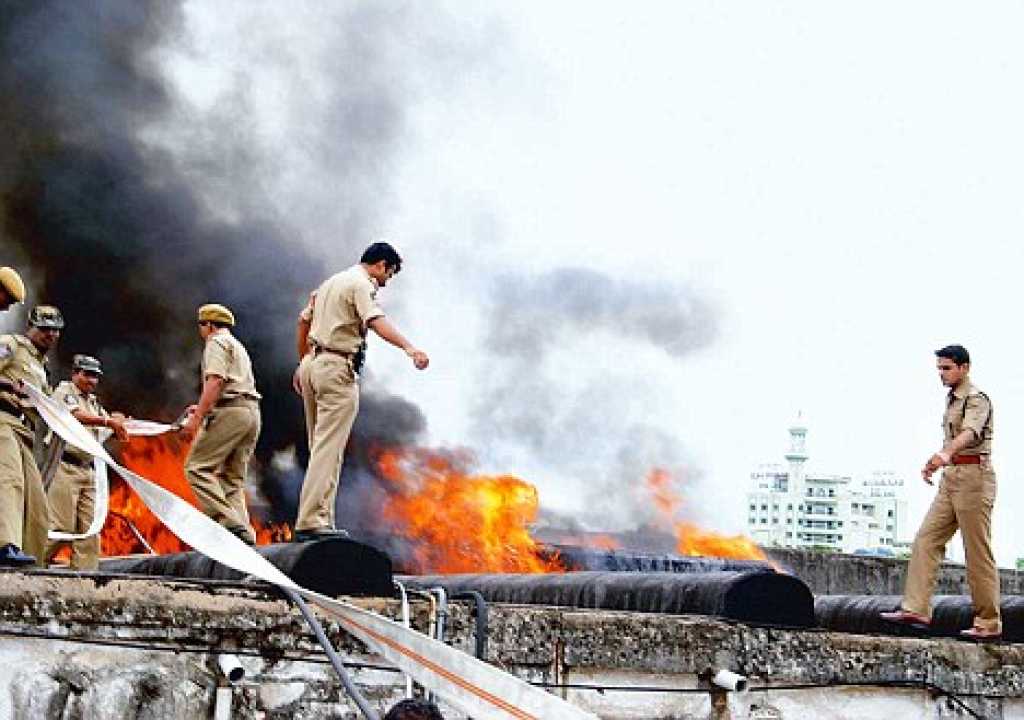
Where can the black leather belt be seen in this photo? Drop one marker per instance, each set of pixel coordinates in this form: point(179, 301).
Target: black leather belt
point(317, 349)
point(239, 401)
point(76, 461)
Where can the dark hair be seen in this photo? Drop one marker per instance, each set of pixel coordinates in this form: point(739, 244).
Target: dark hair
point(382, 251)
point(414, 709)
point(956, 353)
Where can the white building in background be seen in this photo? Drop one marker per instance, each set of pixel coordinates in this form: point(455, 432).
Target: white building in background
point(790, 506)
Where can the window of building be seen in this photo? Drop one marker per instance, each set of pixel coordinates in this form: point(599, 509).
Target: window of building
point(789, 521)
point(789, 534)
point(764, 521)
point(753, 507)
point(789, 507)
point(890, 513)
point(764, 507)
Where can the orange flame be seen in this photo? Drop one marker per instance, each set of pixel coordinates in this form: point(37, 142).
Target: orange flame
point(458, 523)
point(160, 459)
point(690, 538)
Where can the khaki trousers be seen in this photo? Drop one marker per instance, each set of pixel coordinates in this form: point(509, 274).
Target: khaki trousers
point(218, 462)
point(24, 511)
point(330, 397)
point(964, 501)
point(72, 496)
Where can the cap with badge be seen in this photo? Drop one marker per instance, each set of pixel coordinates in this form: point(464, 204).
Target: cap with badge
point(46, 317)
point(214, 312)
point(86, 364)
point(12, 283)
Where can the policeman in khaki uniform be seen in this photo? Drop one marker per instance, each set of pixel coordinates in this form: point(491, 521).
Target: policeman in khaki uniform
point(24, 513)
point(72, 492)
point(339, 314)
point(225, 424)
point(964, 501)
point(12, 288)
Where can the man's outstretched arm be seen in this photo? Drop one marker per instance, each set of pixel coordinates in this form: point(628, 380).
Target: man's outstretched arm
point(383, 327)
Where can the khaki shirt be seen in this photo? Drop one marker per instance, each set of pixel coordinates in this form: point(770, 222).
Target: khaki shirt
point(73, 399)
point(345, 303)
point(21, 360)
point(226, 357)
point(968, 408)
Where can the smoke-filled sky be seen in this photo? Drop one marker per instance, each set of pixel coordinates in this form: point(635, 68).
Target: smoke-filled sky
point(634, 236)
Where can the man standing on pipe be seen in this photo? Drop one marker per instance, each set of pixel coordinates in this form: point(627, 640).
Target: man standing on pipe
point(72, 493)
point(225, 424)
point(24, 511)
point(964, 501)
point(345, 308)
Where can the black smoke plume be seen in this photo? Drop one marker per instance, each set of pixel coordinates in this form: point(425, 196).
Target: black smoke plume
point(118, 234)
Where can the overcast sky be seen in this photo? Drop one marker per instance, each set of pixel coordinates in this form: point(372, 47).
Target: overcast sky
point(836, 186)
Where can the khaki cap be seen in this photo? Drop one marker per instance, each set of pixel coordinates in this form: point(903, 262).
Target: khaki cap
point(12, 283)
point(46, 317)
point(216, 313)
point(87, 363)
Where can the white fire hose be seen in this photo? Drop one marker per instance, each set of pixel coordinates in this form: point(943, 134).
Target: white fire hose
point(470, 685)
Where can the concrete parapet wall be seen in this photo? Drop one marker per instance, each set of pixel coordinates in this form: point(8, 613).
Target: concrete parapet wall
point(128, 649)
point(836, 574)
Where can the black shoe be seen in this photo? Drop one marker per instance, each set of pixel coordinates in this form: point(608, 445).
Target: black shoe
point(320, 534)
point(12, 556)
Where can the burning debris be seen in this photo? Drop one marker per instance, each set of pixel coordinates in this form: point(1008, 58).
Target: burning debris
point(431, 513)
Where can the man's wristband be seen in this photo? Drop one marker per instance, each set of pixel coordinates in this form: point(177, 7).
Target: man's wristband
point(946, 457)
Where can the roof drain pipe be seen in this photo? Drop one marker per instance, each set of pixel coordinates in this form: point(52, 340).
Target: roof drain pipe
point(481, 619)
point(321, 636)
point(442, 611)
point(406, 623)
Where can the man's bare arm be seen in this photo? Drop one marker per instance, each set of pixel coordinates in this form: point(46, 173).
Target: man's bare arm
point(386, 330)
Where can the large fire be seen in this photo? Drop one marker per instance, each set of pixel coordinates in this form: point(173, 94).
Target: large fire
point(130, 526)
point(458, 523)
point(448, 520)
point(691, 539)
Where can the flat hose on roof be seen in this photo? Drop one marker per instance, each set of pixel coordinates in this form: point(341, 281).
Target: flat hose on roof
point(757, 597)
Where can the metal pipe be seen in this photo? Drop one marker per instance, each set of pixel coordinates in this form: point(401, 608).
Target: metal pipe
point(480, 611)
point(350, 687)
point(134, 530)
point(442, 611)
point(406, 623)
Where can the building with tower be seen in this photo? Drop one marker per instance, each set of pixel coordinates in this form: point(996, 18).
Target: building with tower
point(790, 506)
